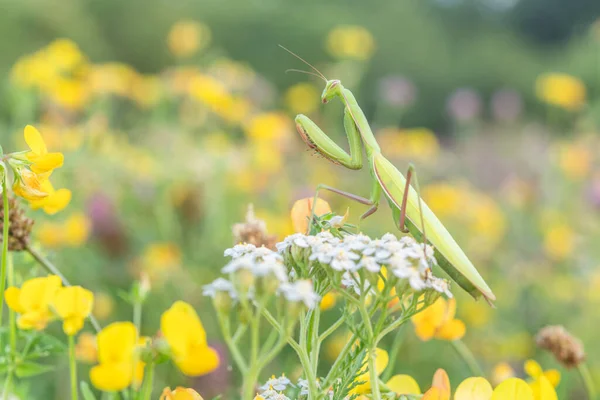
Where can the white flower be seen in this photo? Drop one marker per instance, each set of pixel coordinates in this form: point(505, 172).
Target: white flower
point(369, 264)
point(219, 285)
point(343, 260)
point(239, 250)
point(277, 383)
point(301, 290)
point(242, 262)
point(270, 265)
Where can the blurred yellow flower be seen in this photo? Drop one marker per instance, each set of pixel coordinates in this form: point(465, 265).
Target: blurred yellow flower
point(328, 301)
point(475, 388)
point(32, 301)
point(69, 93)
point(535, 371)
point(117, 344)
point(444, 199)
point(112, 79)
point(160, 259)
point(64, 54)
point(403, 384)
point(72, 232)
point(43, 163)
point(350, 42)
point(440, 387)
point(269, 127)
point(501, 372)
point(186, 336)
point(559, 241)
point(146, 91)
point(302, 98)
point(303, 209)
point(103, 305)
point(86, 349)
point(180, 393)
point(437, 321)
point(575, 160)
point(381, 361)
point(419, 144)
point(512, 388)
point(187, 37)
point(561, 90)
point(73, 304)
point(475, 314)
point(335, 344)
point(215, 95)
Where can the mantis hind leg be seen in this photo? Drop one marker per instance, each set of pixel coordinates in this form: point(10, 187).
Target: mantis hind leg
point(318, 141)
point(400, 214)
point(373, 201)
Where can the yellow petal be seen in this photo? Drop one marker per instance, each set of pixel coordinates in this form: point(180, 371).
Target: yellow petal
point(11, 295)
point(513, 389)
point(116, 342)
point(182, 328)
point(442, 382)
point(46, 162)
point(433, 394)
point(403, 384)
point(73, 301)
point(553, 376)
point(29, 186)
point(476, 388)
point(34, 140)
point(37, 293)
point(451, 330)
point(428, 320)
point(72, 325)
point(328, 301)
point(543, 389)
point(57, 201)
point(533, 369)
point(111, 377)
point(302, 210)
point(199, 362)
point(450, 309)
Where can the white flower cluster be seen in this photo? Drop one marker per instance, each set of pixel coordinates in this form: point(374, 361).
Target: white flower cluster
point(261, 262)
point(403, 257)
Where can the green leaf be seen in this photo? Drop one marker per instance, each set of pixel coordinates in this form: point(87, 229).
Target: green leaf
point(28, 369)
point(86, 392)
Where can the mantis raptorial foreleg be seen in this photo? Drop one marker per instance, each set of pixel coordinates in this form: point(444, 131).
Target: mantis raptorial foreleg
point(318, 140)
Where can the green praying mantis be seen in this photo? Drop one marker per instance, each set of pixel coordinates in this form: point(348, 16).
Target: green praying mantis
point(408, 208)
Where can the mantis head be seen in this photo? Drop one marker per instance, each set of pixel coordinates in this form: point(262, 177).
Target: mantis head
point(332, 89)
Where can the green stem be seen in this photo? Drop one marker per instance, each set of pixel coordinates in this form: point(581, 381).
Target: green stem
point(587, 381)
point(249, 384)
point(148, 383)
point(73, 367)
point(137, 322)
point(12, 317)
point(394, 354)
point(373, 377)
point(7, 385)
point(235, 352)
point(5, 238)
point(51, 268)
point(464, 352)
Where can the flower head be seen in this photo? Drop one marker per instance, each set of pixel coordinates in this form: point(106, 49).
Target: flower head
point(32, 301)
point(180, 393)
point(437, 321)
point(43, 163)
point(54, 201)
point(186, 336)
point(561, 90)
point(116, 370)
point(73, 305)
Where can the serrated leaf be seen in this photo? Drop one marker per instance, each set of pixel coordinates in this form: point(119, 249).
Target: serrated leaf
point(86, 392)
point(28, 369)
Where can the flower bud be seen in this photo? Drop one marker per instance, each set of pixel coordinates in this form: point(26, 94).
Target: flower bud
point(243, 281)
point(223, 302)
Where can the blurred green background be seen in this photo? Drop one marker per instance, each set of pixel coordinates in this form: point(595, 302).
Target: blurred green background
point(175, 115)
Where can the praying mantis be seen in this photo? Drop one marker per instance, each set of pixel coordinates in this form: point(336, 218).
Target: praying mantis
point(408, 208)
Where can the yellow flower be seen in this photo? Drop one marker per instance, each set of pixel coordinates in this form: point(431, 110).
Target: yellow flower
point(103, 305)
point(32, 301)
point(351, 42)
point(542, 389)
point(159, 260)
point(512, 388)
point(403, 384)
point(418, 143)
point(42, 161)
point(437, 321)
point(381, 361)
point(534, 370)
point(559, 241)
point(187, 37)
point(501, 372)
point(73, 304)
point(268, 127)
point(474, 389)
point(561, 90)
point(186, 336)
point(328, 301)
point(303, 209)
point(180, 393)
point(117, 344)
point(86, 349)
point(76, 229)
point(28, 186)
point(302, 98)
point(440, 387)
point(55, 201)
point(575, 160)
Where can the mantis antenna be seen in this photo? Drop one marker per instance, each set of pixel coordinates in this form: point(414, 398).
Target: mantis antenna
point(304, 72)
point(305, 62)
